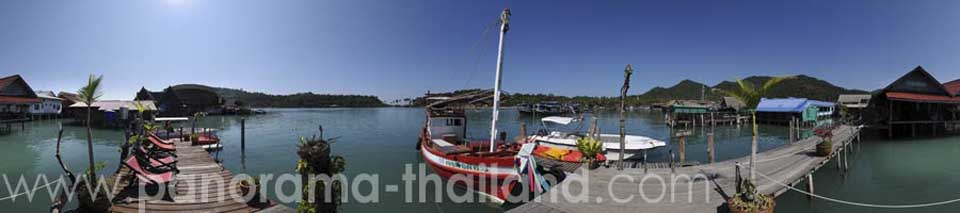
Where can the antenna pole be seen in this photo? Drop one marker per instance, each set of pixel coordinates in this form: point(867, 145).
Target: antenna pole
point(504, 26)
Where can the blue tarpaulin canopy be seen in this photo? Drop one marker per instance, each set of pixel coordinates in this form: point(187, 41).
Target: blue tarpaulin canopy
point(782, 105)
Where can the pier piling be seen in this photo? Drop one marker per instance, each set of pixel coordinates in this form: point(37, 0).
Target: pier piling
point(810, 185)
point(710, 149)
point(243, 135)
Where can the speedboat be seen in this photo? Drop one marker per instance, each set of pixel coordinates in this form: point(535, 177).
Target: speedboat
point(634, 144)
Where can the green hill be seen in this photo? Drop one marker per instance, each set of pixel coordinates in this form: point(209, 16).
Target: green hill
point(801, 86)
point(257, 99)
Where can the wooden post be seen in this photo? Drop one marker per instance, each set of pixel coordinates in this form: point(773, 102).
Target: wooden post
point(672, 169)
point(623, 96)
point(810, 184)
point(839, 152)
point(523, 131)
point(890, 121)
point(710, 150)
point(683, 149)
point(243, 135)
point(792, 136)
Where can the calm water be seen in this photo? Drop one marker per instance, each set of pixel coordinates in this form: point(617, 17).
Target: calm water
point(382, 140)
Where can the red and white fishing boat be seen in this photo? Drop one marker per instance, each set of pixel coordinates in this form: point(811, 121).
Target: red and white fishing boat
point(488, 166)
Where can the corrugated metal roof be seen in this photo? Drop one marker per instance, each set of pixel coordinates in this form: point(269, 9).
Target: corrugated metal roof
point(902, 96)
point(17, 100)
point(47, 95)
point(819, 103)
point(781, 105)
point(953, 87)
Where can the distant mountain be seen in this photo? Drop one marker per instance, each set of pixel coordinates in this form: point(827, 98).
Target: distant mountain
point(801, 86)
point(686, 90)
point(260, 100)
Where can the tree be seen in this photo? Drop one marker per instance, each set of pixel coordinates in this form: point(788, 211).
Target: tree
point(88, 95)
point(749, 94)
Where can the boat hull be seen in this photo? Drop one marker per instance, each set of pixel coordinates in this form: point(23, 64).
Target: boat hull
point(492, 178)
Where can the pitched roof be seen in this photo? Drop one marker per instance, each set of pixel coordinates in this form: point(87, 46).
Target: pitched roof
point(854, 101)
point(907, 83)
point(69, 96)
point(114, 105)
point(733, 102)
point(953, 87)
point(8, 81)
point(903, 96)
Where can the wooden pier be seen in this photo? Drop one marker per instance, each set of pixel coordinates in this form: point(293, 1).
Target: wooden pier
point(707, 189)
point(202, 185)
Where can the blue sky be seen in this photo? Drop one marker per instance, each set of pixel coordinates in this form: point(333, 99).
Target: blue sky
point(402, 48)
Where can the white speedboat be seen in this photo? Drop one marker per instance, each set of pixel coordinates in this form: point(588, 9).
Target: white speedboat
point(634, 144)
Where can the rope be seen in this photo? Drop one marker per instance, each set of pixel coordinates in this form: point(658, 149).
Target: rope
point(835, 200)
point(905, 206)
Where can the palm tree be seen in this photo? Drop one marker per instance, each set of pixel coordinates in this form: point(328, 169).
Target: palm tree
point(88, 95)
point(750, 95)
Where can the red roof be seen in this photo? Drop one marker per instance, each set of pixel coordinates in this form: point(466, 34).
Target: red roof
point(902, 96)
point(953, 87)
point(18, 100)
point(8, 80)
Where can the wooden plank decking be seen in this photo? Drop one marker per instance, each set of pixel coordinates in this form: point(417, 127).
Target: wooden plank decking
point(201, 186)
point(705, 192)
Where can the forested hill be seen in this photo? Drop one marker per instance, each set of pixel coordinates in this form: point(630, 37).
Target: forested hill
point(799, 86)
point(258, 100)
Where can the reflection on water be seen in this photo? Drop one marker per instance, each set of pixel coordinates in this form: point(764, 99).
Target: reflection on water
point(382, 140)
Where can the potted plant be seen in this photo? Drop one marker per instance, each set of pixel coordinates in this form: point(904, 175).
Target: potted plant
point(749, 200)
point(250, 185)
point(194, 137)
point(825, 147)
point(589, 147)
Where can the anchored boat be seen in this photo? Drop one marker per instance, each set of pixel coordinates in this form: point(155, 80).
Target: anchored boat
point(484, 166)
point(634, 144)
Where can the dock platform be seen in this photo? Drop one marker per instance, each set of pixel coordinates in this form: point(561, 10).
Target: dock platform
point(699, 188)
point(202, 185)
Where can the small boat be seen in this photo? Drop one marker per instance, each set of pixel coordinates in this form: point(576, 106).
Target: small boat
point(546, 108)
point(634, 144)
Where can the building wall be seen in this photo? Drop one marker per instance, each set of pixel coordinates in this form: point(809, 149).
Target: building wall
point(47, 106)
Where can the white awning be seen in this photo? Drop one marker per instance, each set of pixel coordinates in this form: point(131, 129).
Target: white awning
point(557, 119)
point(171, 119)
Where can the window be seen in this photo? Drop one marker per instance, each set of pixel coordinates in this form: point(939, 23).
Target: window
point(454, 122)
point(36, 107)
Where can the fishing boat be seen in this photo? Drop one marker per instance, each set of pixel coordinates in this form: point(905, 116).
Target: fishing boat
point(489, 166)
point(634, 144)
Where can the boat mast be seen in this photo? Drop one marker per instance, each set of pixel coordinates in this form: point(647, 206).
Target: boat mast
point(504, 26)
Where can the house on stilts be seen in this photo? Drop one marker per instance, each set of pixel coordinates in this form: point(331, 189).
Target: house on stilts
point(917, 103)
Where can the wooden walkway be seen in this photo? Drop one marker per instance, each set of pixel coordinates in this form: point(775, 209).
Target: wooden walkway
point(706, 191)
point(201, 186)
